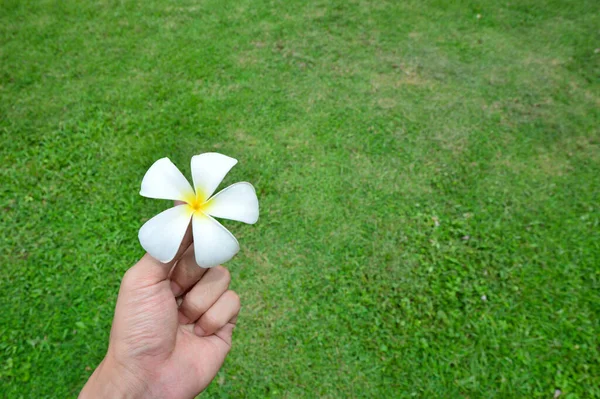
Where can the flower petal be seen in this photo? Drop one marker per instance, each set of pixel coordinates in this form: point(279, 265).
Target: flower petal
point(164, 181)
point(236, 202)
point(208, 170)
point(161, 236)
point(213, 243)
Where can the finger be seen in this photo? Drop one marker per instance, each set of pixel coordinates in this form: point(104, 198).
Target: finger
point(186, 273)
point(224, 310)
point(204, 294)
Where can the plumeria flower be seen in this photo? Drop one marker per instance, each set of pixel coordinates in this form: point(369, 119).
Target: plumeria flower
point(161, 236)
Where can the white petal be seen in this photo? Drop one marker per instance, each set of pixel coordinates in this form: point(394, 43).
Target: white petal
point(213, 243)
point(208, 170)
point(164, 181)
point(236, 202)
point(161, 236)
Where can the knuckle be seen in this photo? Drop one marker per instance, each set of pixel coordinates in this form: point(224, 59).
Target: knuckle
point(193, 306)
point(224, 273)
point(235, 299)
point(209, 323)
point(129, 277)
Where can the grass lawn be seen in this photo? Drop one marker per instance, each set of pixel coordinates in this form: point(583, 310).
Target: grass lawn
point(428, 173)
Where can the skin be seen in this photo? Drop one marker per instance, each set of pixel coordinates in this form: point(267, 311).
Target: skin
point(159, 349)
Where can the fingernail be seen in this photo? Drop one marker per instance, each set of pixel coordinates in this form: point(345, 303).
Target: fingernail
point(199, 331)
point(176, 288)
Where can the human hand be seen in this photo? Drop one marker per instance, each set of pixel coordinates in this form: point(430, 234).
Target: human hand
point(158, 349)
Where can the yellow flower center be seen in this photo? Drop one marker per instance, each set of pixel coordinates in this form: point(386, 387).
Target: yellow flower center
point(196, 204)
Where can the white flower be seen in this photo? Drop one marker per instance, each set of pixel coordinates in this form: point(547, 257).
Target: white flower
point(161, 236)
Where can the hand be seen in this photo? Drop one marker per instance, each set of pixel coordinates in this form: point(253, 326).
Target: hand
point(160, 350)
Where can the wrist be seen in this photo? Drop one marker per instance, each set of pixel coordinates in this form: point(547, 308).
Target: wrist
point(112, 380)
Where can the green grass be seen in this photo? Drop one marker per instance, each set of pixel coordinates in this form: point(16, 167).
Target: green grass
point(428, 176)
